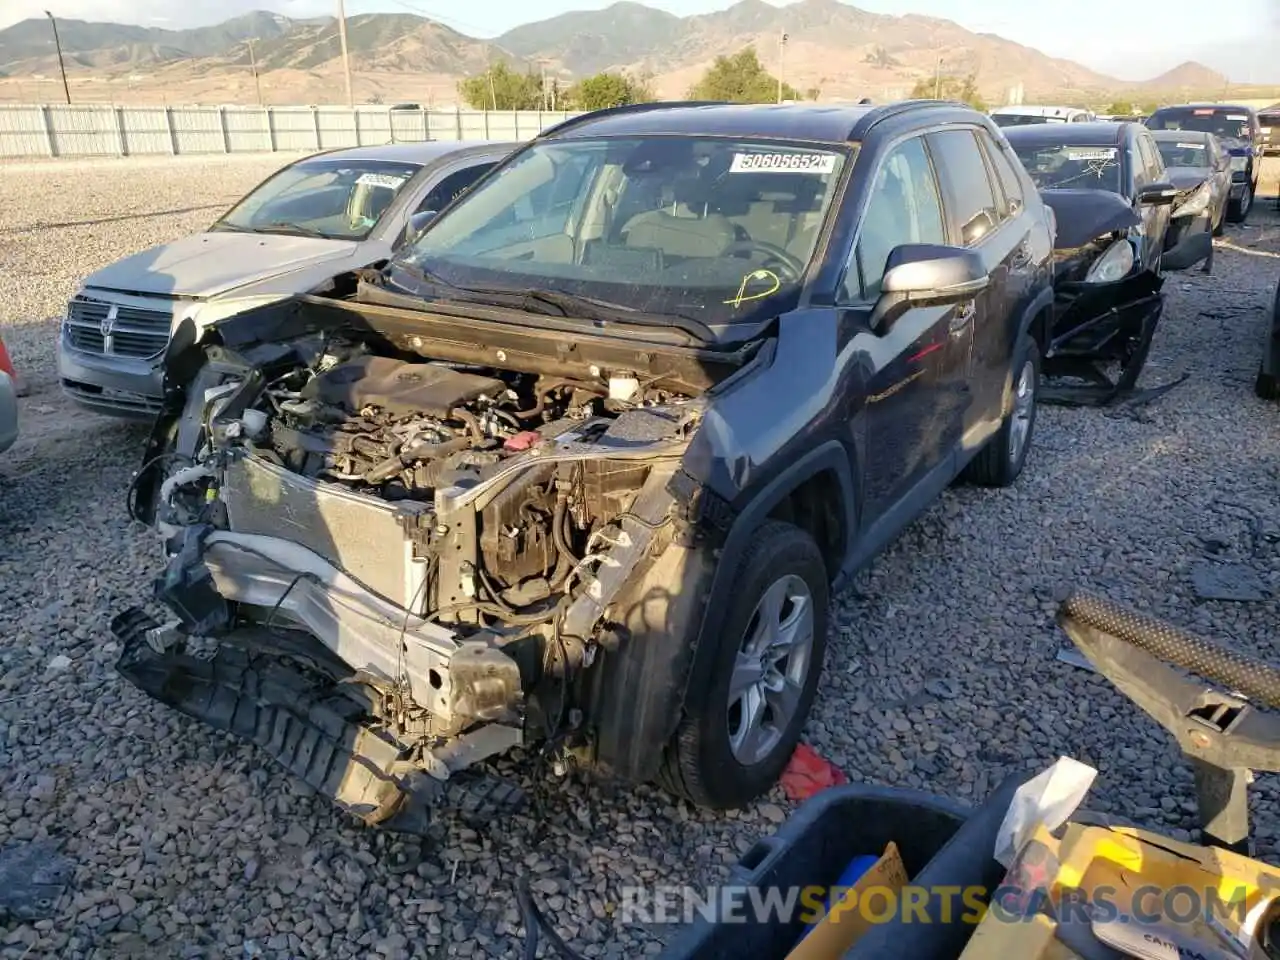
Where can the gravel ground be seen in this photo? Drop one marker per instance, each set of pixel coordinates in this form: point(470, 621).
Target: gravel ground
point(186, 845)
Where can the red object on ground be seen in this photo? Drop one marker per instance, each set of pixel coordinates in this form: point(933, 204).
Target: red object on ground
point(6, 365)
point(522, 441)
point(808, 773)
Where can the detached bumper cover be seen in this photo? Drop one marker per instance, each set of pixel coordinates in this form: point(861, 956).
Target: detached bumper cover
point(308, 725)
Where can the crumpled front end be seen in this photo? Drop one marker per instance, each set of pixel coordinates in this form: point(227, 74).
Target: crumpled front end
point(385, 570)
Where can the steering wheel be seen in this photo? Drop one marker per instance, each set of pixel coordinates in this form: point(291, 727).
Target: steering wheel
point(793, 264)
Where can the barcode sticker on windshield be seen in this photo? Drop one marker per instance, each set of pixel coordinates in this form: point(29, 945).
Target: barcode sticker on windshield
point(381, 180)
point(1190, 146)
point(1091, 153)
point(818, 163)
point(1237, 116)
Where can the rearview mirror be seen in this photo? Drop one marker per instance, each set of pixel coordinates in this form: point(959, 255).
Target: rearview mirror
point(416, 225)
point(926, 274)
point(1157, 194)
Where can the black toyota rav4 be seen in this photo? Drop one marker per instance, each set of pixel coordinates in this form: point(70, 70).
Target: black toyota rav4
point(582, 467)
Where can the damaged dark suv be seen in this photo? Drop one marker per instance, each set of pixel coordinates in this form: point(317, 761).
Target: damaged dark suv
point(583, 465)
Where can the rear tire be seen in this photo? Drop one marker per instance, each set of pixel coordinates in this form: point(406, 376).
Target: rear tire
point(738, 734)
point(999, 463)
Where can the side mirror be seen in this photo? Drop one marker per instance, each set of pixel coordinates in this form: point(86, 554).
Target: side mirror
point(417, 223)
point(1157, 194)
point(926, 274)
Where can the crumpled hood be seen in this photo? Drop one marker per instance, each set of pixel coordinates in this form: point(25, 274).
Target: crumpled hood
point(1083, 215)
point(1187, 178)
point(208, 264)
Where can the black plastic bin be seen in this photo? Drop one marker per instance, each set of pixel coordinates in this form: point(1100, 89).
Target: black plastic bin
point(942, 843)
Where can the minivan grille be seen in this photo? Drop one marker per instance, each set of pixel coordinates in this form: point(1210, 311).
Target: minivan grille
point(116, 330)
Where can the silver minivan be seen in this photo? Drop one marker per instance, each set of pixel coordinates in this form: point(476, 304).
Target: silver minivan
point(314, 219)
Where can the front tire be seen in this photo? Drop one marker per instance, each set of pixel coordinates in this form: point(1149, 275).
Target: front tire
point(738, 735)
point(999, 463)
point(1238, 210)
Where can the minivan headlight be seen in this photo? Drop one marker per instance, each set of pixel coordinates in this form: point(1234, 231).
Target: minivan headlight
point(1113, 265)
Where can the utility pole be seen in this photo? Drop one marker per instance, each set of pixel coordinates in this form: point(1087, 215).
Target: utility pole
point(62, 67)
point(543, 65)
point(346, 60)
point(493, 94)
point(782, 46)
point(253, 65)
point(937, 81)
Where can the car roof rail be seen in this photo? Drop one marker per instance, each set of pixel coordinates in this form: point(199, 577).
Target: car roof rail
point(888, 111)
point(571, 122)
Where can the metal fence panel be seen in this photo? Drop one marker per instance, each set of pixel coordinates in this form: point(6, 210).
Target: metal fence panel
point(337, 126)
point(145, 130)
point(247, 130)
point(88, 130)
point(295, 128)
point(375, 126)
point(407, 126)
point(23, 132)
point(443, 125)
point(199, 130)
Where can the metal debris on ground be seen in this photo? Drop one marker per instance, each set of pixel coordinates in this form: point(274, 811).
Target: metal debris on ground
point(1074, 658)
point(1227, 581)
point(33, 878)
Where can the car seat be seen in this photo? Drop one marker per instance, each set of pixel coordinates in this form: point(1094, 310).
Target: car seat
point(683, 227)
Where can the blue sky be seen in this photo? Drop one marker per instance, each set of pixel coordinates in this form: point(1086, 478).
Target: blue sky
point(1104, 34)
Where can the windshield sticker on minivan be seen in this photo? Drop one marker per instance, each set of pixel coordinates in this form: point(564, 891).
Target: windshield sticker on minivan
point(1190, 146)
point(817, 163)
point(381, 180)
point(1091, 153)
point(1237, 116)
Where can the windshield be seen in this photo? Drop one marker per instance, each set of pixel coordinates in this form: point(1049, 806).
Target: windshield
point(1185, 153)
point(712, 229)
point(1023, 119)
point(336, 198)
point(1226, 123)
point(1074, 165)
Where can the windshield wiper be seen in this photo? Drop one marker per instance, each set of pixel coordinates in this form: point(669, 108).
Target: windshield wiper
point(285, 227)
point(560, 304)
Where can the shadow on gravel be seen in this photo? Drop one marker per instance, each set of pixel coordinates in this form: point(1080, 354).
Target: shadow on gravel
point(142, 215)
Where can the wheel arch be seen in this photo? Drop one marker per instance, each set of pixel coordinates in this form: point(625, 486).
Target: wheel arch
point(640, 694)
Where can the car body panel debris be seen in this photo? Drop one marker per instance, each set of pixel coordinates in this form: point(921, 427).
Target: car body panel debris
point(33, 878)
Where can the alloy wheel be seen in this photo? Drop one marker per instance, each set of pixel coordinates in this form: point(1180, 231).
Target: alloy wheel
point(770, 670)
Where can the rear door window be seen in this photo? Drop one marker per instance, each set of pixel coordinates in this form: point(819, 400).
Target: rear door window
point(1006, 174)
point(967, 191)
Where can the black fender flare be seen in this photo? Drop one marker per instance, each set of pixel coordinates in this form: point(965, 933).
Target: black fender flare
point(831, 456)
point(1041, 304)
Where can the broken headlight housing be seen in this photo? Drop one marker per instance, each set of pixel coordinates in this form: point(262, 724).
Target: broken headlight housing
point(1113, 265)
point(1195, 204)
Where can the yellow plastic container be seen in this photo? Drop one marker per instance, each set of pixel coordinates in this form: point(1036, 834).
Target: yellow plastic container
point(1173, 894)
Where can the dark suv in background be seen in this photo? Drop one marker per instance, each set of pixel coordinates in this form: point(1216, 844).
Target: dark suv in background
point(1239, 130)
point(594, 450)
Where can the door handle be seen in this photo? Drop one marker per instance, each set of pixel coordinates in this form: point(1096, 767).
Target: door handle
point(960, 322)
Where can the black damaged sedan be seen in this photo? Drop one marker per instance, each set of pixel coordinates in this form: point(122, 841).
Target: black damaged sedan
point(1121, 223)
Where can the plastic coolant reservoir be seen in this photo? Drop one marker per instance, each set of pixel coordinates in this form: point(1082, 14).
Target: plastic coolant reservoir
point(623, 388)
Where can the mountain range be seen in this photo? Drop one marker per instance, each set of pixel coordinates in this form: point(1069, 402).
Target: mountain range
point(831, 47)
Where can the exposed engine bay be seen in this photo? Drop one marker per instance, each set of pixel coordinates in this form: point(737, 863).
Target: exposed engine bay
point(429, 547)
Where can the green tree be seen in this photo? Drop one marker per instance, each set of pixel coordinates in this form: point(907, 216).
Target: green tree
point(501, 88)
point(964, 89)
point(740, 78)
point(608, 90)
point(1120, 108)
